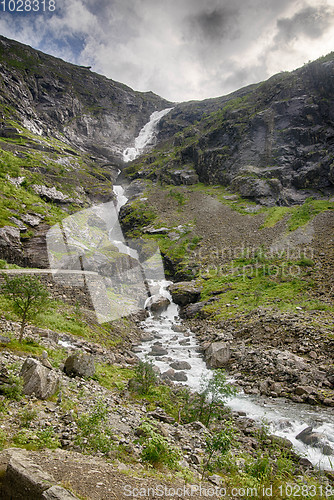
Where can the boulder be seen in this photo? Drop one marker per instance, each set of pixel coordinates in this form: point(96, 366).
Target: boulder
point(185, 292)
point(315, 439)
point(158, 350)
point(24, 480)
point(180, 365)
point(79, 365)
point(38, 379)
point(218, 354)
point(157, 303)
point(180, 377)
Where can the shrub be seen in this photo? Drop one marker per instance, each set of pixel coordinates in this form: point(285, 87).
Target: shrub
point(93, 431)
point(157, 450)
point(145, 376)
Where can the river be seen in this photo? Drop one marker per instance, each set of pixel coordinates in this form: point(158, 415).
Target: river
point(283, 417)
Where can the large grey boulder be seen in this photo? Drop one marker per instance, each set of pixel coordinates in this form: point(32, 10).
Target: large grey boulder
point(218, 354)
point(185, 292)
point(24, 480)
point(157, 303)
point(38, 379)
point(79, 365)
point(315, 439)
point(180, 365)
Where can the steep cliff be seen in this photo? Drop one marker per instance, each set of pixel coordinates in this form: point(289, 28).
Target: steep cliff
point(62, 133)
point(272, 142)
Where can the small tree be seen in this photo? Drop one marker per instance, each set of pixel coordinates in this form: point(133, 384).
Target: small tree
point(145, 376)
point(27, 295)
point(212, 396)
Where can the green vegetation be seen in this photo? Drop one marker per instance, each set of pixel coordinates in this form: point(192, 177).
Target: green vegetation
point(111, 376)
point(217, 446)
point(27, 295)
point(145, 377)
point(297, 215)
point(157, 451)
point(12, 389)
point(272, 280)
point(31, 440)
point(94, 433)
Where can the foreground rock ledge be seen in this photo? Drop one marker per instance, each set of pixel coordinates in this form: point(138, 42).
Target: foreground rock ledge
point(23, 480)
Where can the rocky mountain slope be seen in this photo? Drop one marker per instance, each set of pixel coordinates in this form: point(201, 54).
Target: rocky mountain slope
point(272, 142)
point(56, 99)
point(62, 133)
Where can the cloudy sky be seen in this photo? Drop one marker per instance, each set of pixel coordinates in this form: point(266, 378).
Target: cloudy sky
point(180, 49)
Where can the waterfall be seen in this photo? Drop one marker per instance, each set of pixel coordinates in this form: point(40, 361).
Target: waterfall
point(146, 136)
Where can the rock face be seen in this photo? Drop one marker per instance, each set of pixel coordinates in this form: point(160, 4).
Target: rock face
point(56, 98)
point(38, 379)
point(264, 140)
point(218, 354)
point(79, 365)
point(10, 243)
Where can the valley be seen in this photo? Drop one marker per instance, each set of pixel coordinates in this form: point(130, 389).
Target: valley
point(231, 200)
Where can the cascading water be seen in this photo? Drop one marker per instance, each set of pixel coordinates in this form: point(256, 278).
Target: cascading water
point(146, 136)
point(284, 418)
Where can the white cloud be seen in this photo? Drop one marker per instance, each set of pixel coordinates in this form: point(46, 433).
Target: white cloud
point(182, 49)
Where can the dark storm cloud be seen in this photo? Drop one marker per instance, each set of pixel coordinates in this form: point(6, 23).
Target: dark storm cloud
point(215, 24)
point(310, 21)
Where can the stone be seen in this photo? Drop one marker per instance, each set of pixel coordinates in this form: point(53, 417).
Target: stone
point(157, 303)
point(79, 365)
point(158, 350)
point(57, 493)
point(180, 377)
point(315, 439)
point(23, 479)
point(38, 379)
point(180, 365)
point(302, 389)
point(215, 479)
point(185, 292)
point(218, 354)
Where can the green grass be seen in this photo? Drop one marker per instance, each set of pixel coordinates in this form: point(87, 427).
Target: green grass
point(269, 281)
point(297, 216)
point(111, 376)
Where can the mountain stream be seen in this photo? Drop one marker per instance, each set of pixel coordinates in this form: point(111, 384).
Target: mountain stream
point(283, 417)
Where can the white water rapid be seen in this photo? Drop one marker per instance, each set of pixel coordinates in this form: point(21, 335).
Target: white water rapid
point(146, 136)
point(284, 418)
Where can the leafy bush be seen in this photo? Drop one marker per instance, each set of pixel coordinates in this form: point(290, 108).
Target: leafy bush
point(217, 445)
point(157, 450)
point(13, 388)
point(93, 431)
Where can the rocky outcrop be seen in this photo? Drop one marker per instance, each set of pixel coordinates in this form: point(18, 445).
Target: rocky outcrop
point(271, 142)
point(185, 292)
point(85, 109)
point(38, 379)
point(24, 480)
